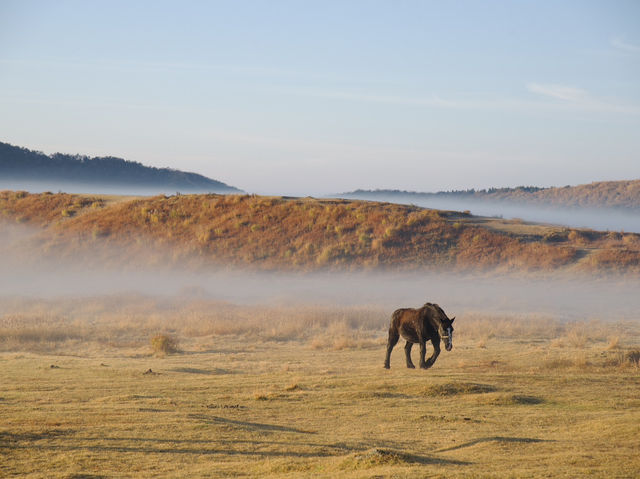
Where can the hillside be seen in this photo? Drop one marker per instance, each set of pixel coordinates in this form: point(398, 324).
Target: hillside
point(275, 233)
point(59, 171)
point(624, 195)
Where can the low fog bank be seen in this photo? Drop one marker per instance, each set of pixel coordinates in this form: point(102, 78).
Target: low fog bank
point(99, 189)
point(569, 299)
point(605, 219)
point(556, 296)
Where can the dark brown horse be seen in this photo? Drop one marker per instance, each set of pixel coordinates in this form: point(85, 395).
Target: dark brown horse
point(429, 323)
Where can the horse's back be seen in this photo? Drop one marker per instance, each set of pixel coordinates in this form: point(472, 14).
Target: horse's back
point(401, 316)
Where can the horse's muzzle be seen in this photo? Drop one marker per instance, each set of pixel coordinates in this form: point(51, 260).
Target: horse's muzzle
point(448, 346)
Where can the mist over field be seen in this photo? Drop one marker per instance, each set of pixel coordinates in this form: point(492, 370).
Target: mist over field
point(560, 298)
point(92, 188)
point(601, 219)
point(560, 295)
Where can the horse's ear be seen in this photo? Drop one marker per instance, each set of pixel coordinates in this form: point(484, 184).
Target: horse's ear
point(453, 319)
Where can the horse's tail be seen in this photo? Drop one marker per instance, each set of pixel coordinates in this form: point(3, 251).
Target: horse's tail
point(394, 332)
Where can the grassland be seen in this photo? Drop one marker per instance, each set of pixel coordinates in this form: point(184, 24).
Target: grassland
point(132, 385)
point(275, 233)
point(272, 391)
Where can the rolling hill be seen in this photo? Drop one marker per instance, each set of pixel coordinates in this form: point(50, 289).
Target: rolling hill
point(20, 166)
point(295, 234)
point(623, 195)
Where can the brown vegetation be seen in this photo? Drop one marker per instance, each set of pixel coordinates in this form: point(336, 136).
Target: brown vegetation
point(600, 194)
point(298, 234)
point(156, 325)
point(251, 393)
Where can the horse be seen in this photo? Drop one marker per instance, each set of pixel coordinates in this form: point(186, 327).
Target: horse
point(429, 323)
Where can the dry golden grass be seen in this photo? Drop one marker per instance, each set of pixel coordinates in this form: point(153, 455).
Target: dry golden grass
point(159, 324)
point(614, 343)
point(601, 194)
point(298, 234)
point(250, 395)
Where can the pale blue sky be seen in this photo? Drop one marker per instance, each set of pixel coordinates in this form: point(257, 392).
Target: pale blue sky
point(302, 97)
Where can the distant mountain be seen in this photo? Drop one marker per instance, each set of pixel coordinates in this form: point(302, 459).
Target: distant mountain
point(623, 195)
point(20, 167)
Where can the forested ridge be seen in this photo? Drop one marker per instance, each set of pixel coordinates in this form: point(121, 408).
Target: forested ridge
point(18, 163)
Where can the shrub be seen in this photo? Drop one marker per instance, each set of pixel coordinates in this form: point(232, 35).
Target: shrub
point(634, 357)
point(364, 238)
point(327, 255)
point(163, 344)
point(577, 337)
point(390, 232)
point(575, 237)
point(556, 236)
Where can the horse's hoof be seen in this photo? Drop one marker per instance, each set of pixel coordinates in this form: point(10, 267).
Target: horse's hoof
point(411, 366)
point(386, 366)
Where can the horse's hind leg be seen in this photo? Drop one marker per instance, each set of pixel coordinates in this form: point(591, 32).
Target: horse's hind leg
point(407, 353)
point(393, 340)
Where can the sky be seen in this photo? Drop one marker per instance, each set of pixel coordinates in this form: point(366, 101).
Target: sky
point(319, 97)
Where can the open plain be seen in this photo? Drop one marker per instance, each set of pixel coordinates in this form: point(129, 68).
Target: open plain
point(197, 388)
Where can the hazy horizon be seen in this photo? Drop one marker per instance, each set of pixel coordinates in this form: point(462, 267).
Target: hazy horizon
point(601, 219)
point(301, 99)
point(72, 186)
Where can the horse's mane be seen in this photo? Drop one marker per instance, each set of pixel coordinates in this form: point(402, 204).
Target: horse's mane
point(435, 317)
point(436, 307)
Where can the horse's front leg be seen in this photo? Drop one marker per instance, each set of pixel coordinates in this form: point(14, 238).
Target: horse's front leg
point(423, 353)
point(434, 356)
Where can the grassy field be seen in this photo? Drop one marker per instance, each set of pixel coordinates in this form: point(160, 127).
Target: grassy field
point(270, 391)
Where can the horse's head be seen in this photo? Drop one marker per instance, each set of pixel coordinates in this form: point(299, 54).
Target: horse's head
point(446, 324)
point(447, 332)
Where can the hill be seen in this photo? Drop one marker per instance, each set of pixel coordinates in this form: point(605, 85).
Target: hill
point(624, 195)
point(60, 171)
point(276, 233)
